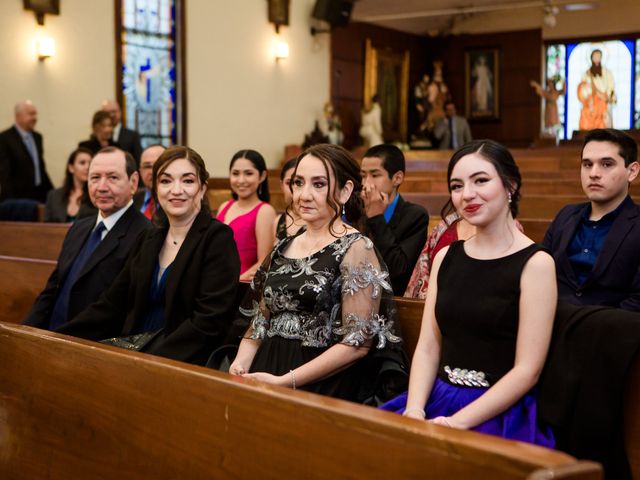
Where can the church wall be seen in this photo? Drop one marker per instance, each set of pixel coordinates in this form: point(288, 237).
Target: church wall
point(238, 95)
point(67, 88)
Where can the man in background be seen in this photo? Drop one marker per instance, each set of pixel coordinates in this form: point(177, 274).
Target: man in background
point(23, 174)
point(452, 131)
point(397, 228)
point(143, 200)
point(127, 139)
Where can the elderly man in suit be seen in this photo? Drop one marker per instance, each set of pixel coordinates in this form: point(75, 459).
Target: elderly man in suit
point(127, 139)
point(22, 171)
point(452, 131)
point(596, 245)
point(397, 228)
point(96, 248)
point(143, 200)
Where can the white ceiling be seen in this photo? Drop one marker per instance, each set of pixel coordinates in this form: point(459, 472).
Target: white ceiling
point(432, 17)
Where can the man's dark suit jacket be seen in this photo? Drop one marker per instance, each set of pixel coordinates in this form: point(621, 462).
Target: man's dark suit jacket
point(94, 145)
point(199, 294)
point(129, 141)
point(400, 241)
point(615, 279)
point(98, 274)
point(16, 168)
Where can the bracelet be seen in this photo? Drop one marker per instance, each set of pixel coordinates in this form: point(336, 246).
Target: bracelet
point(293, 379)
point(415, 409)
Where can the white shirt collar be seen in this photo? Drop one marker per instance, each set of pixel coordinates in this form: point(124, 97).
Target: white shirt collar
point(112, 219)
point(116, 132)
point(23, 133)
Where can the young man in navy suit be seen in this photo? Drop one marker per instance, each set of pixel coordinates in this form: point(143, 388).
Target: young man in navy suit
point(95, 248)
point(596, 245)
point(397, 228)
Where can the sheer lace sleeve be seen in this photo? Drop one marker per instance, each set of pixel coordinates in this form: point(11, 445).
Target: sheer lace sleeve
point(367, 309)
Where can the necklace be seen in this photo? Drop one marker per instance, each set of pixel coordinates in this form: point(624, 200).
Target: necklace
point(173, 240)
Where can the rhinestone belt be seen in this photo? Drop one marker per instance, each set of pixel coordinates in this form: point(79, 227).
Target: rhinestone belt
point(468, 378)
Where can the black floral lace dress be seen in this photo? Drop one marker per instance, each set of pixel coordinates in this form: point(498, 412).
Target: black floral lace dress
point(299, 307)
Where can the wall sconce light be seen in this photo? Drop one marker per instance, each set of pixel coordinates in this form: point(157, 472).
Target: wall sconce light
point(280, 49)
point(45, 48)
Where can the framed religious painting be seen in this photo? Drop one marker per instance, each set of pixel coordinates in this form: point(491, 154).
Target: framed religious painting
point(386, 75)
point(482, 84)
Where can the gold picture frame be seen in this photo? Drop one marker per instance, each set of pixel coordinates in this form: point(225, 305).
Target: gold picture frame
point(386, 73)
point(482, 83)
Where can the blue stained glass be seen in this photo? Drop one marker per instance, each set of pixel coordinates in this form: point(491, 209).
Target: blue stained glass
point(636, 116)
point(149, 70)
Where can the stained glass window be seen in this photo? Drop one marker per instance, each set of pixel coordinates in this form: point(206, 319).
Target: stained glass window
point(636, 116)
point(556, 71)
point(150, 66)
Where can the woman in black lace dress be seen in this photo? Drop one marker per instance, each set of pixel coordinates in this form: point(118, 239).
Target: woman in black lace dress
point(321, 304)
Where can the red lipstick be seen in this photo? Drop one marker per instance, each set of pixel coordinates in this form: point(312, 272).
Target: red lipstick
point(472, 208)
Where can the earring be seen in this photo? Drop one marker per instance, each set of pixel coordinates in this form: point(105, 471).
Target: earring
point(260, 189)
point(344, 213)
point(509, 196)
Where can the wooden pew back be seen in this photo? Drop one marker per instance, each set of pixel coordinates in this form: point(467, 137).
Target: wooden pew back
point(32, 240)
point(21, 281)
point(75, 409)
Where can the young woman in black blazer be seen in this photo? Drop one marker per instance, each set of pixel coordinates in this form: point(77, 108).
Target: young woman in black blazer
point(176, 291)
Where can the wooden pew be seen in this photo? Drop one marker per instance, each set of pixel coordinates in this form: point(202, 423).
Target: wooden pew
point(21, 282)
point(76, 409)
point(32, 240)
point(410, 317)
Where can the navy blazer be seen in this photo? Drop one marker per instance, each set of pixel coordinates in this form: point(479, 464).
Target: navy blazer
point(199, 293)
point(400, 241)
point(16, 168)
point(615, 279)
point(101, 269)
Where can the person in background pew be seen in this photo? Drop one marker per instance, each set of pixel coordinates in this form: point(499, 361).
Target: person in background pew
point(143, 199)
point(175, 294)
point(398, 228)
point(596, 245)
point(102, 128)
point(127, 139)
point(249, 213)
point(447, 231)
point(23, 173)
point(71, 201)
point(95, 248)
point(288, 222)
point(483, 343)
point(321, 304)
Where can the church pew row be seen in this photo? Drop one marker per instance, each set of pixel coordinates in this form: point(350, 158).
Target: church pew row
point(430, 184)
point(76, 409)
point(21, 282)
point(25, 278)
point(531, 206)
point(32, 239)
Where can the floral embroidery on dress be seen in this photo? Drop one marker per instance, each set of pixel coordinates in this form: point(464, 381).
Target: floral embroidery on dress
point(357, 331)
point(304, 299)
point(355, 278)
